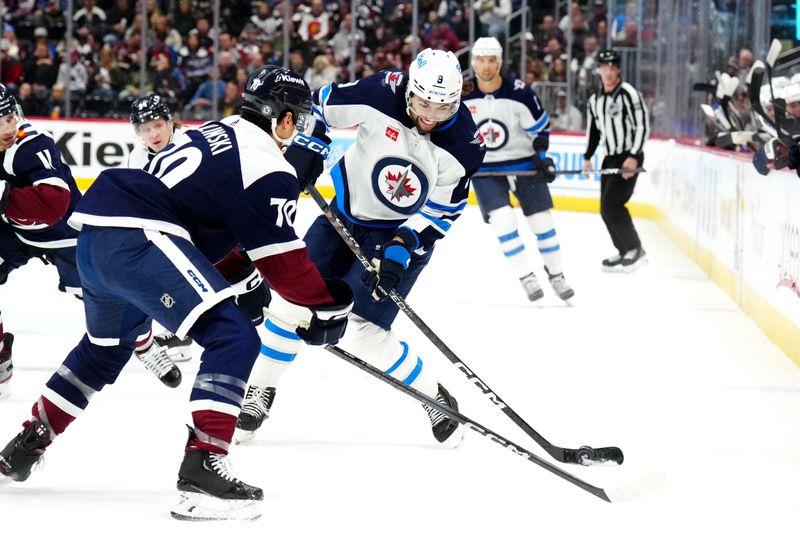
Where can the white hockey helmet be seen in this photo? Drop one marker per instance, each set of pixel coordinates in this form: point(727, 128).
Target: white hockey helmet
point(435, 76)
point(487, 46)
point(791, 93)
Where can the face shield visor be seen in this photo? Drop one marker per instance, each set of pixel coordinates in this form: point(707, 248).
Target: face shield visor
point(431, 111)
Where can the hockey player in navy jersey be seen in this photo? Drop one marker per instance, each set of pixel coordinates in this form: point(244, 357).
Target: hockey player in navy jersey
point(399, 188)
point(146, 251)
point(516, 129)
point(37, 194)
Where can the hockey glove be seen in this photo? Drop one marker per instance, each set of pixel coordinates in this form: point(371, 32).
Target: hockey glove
point(794, 156)
point(5, 187)
point(329, 322)
point(307, 154)
point(546, 168)
point(391, 259)
point(252, 294)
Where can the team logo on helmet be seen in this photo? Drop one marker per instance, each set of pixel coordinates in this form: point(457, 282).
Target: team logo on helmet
point(399, 184)
point(256, 83)
point(494, 133)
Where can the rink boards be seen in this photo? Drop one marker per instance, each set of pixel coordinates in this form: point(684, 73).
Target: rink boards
point(737, 225)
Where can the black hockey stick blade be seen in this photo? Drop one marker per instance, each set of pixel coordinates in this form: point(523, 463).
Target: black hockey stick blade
point(601, 455)
point(638, 489)
point(705, 88)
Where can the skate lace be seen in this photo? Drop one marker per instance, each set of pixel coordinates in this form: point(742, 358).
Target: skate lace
point(219, 463)
point(559, 283)
point(530, 283)
point(256, 403)
point(155, 359)
point(435, 415)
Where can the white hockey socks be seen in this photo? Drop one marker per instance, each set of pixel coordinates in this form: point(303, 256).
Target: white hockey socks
point(386, 351)
point(547, 239)
point(504, 224)
point(279, 342)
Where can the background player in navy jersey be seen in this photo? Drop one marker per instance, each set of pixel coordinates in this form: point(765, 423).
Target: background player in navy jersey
point(146, 251)
point(399, 188)
point(37, 194)
point(516, 129)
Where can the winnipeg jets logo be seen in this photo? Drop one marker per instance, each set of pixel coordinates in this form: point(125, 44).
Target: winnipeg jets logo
point(494, 133)
point(257, 82)
point(393, 80)
point(399, 184)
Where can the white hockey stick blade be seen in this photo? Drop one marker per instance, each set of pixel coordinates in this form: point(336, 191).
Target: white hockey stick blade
point(757, 66)
point(641, 488)
point(709, 112)
point(774, 52)
point(200, 507)
point(741, 138)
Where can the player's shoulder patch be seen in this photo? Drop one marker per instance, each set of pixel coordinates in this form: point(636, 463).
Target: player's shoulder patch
point(26, 132)
point(393, 79)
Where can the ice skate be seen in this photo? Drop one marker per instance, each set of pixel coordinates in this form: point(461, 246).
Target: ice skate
point(255, 411)
point(210, 492)
point(22, 453)
point(633, 260)
point(156, 361)
point(445, 430)
point(613, 264)
point(6, 366)
point(560, 286)
point(178, 350)
point(532, 287)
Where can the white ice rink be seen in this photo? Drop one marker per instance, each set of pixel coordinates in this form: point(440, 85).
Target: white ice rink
point(660, 363)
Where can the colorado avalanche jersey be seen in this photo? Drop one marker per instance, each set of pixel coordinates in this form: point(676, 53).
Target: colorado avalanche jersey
point(222, 184)
point(393, 175)
point(509, 119)
point(43, 193)
point(141, 155)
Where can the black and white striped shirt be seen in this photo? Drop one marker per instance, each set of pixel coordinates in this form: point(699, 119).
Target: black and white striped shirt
point(620, 118)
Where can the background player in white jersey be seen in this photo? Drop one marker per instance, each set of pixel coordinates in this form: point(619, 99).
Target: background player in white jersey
point(516, 129)
point(146, 251)
point(37, 195)
point(399, 188)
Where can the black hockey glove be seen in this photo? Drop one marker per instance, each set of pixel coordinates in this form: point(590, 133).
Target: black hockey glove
point(793, 156)
point(328, 323)
point(546, 168)
point(307, 154)
point(393, 257)
point(252, 294)
point(5, 187)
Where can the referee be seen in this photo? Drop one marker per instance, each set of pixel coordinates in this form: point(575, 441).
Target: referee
point(617, 113)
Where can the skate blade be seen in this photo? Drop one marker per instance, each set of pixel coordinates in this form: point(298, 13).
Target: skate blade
point(455, 439)
point(240, 437)
point(200, 507)
point(614, 269)
point(635, 267)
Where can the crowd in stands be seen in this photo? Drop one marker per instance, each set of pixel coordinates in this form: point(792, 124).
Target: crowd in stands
point(103, 70)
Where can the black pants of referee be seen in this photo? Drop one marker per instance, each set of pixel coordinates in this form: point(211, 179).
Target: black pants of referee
point(615, 192)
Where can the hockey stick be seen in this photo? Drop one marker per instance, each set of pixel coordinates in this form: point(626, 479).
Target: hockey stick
point(640, 488)
point(584, 455)
point(484, 174)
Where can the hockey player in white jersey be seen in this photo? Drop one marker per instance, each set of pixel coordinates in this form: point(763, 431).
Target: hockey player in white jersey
point(515, 127)
point(399, 188)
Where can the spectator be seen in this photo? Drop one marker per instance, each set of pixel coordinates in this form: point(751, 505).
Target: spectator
point(547, 31)
point(267, 21)
point(297, 63)
point(566, 117)
point(204, 33)
point(75, 75)
point(203, 98)
point(163, 30)
point(56, 103)
point(195, 62)
point(492, 14)
point(226, 44)
point(625, 27)
point(322, 73)
point(168, 81)
point(39, 67)
point(314, 24)
point(53, 18)
point(232, 100)
point(441, 37)
point(558, 71)
point(226, 66)
point(602, 32)
point(118, 18)
point(342, 40)
point(184, 20)
point(91, 17)
point(600, 13)
point(31, 107)
point(10, 67)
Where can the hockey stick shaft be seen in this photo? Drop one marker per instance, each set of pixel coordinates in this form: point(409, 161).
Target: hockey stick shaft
point(636, 490)
point(585, 455)
point(484, 174)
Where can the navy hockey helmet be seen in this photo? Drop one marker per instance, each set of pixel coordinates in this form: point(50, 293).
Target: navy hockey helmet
point(8, 104)
point(271, 90)
point(149, 108)
point(609, 56)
